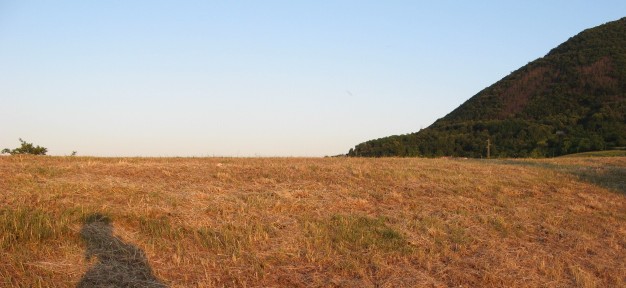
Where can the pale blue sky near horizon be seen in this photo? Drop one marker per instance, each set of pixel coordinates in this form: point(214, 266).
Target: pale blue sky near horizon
point(258, 78)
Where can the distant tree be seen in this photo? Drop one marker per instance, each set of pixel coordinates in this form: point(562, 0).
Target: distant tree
point(26, 148)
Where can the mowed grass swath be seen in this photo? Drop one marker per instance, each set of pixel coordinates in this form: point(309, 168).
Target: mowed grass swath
point(299, 222)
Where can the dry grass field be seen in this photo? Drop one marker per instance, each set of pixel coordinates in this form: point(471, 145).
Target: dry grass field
point(324, 222)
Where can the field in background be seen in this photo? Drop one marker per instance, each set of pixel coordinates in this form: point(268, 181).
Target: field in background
point(605, 153)
point(299, 222)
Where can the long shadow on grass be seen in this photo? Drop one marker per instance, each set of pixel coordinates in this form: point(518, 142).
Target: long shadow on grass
point(119, 264)
point(610, 177)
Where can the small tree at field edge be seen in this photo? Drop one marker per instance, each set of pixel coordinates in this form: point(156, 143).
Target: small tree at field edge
point(26, 148)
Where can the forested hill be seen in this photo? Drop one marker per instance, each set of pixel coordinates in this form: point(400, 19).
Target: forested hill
point(572, 100)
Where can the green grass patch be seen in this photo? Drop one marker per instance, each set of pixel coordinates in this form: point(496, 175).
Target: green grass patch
point(349, 233)
point(230, 239)
point(610, 177)
point(160, 228)
point(24, 225)
point(499, 224)
point(606, 153)
point(45, 171)
point(458, 235)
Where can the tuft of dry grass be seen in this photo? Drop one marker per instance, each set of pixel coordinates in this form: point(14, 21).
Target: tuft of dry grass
point(304, 222)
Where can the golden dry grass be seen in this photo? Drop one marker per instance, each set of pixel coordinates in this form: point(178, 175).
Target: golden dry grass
point(299, 222)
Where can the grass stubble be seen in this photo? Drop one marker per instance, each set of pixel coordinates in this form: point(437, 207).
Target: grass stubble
point(327, 222)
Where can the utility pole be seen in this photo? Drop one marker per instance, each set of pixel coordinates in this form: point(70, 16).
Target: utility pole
point(488, 148)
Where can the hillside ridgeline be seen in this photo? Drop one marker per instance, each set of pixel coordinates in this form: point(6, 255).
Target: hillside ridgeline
point(572, 100)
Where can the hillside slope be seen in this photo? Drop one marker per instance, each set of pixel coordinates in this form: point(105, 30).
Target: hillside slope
point(572, 100)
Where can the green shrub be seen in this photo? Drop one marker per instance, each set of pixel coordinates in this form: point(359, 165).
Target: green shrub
point(26, 148)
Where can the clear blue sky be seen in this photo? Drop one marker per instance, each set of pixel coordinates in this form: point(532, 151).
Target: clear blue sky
point(258, 78)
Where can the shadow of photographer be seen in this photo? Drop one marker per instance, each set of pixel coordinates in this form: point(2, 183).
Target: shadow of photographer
point(119, 264)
